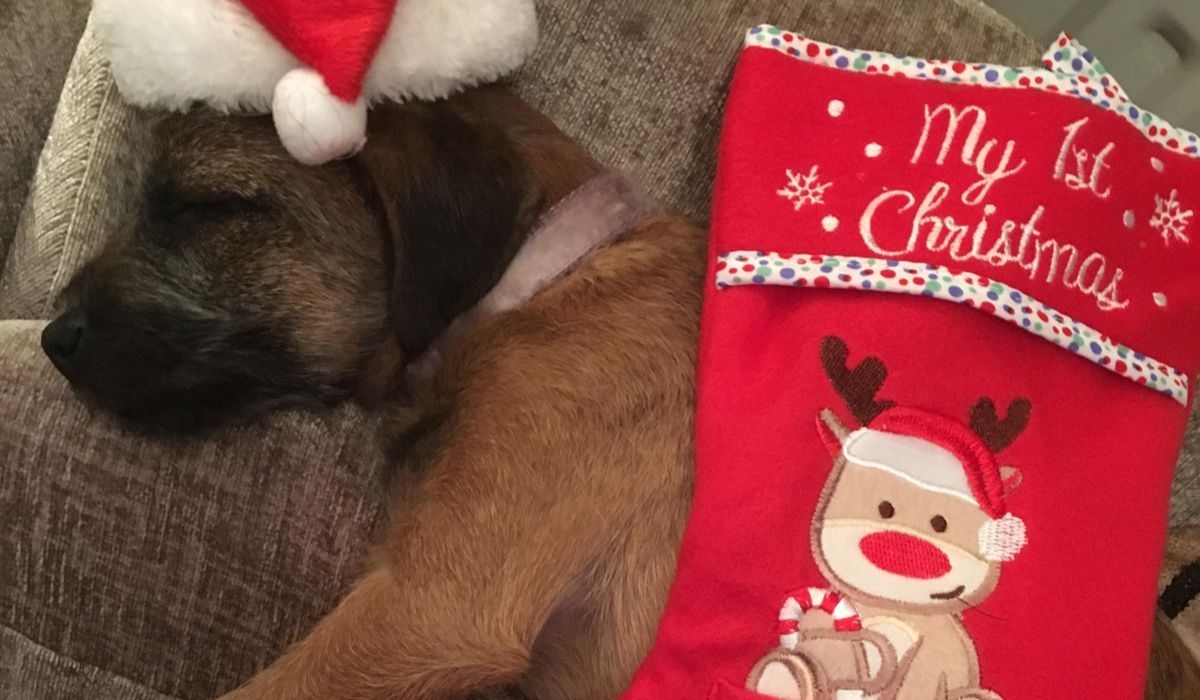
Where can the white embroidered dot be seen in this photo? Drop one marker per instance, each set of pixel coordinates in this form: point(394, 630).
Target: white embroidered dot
point(874, 150)
point(830, 223)
point(1157, 164)
point(1130, 219)
point(836, 107)
point(1160, 299)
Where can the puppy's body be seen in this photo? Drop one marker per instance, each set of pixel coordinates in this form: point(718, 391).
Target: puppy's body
point(543, 477)
point(536, 540)
point(576, 412)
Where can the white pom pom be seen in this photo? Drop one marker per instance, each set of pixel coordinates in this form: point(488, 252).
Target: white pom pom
point(1003, 539)
point(315, 126)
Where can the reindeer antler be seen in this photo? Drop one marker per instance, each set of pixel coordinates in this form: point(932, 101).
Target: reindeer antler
point(998, 434)
point(857, 386)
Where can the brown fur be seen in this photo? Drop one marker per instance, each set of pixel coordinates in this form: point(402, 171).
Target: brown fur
point(543, 478)
point(539, 540)
point(1174, 674)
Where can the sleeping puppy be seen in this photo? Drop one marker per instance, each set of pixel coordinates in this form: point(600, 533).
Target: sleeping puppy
point(251, 282)
point(543, 473)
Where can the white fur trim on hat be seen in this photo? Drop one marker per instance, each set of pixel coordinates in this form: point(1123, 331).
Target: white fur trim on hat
point(172, 55)
point(1003, 539)
point(435, 48)
point(918, 461)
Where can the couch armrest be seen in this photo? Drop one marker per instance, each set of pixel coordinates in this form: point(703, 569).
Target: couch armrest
point(37, 39)
point(86, 181)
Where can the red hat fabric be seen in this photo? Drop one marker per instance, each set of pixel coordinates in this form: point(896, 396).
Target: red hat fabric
point(337, 39)
point(976, 462)
point(940, 260)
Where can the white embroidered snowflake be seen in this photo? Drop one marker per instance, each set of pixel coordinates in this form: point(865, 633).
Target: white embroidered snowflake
point(1170, 219)
point(803, 190)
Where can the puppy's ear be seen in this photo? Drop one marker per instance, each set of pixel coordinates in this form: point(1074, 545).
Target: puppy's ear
point(454, 197)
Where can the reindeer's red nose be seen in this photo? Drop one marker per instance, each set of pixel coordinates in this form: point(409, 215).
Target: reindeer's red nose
point(904, 555)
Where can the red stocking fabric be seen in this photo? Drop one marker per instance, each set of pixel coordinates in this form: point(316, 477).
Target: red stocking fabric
point(947, 356)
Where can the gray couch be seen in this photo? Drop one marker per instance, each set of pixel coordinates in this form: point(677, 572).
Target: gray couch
point(137, 569)
point(37, 40)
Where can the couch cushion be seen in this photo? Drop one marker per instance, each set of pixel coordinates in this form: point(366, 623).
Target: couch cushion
point(183, 567)
point(1185, 496)
point(30, 671)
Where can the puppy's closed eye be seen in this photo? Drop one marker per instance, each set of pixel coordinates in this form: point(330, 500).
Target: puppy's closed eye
point(172, 205)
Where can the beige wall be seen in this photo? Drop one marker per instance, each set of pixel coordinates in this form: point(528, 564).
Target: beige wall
point(1152, 47)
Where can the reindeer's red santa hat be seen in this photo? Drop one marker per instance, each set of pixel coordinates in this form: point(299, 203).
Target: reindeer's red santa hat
point(315, 64)
point(942, 455)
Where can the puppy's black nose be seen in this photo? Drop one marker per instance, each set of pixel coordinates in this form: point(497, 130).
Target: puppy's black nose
point(61, 339)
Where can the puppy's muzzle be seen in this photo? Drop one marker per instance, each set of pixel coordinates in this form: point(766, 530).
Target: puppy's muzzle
point(65, 340)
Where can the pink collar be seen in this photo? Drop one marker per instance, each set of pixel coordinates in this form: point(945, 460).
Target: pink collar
point(586, 221)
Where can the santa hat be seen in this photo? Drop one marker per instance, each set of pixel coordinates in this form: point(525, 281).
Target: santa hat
point(315, 64)
point(942, 455)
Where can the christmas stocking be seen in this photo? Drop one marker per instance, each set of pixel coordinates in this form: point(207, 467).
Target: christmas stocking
point(947, 358)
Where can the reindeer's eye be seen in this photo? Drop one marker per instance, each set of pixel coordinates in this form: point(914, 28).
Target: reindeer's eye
point(887, 510)
point(939, 523)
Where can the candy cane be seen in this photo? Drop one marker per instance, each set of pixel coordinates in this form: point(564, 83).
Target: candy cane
point(845, 617)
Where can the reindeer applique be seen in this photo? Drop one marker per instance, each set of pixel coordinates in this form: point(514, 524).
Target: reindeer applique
point(910, 530)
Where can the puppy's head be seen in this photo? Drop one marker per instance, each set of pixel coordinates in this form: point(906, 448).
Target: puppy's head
point(250, 282)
